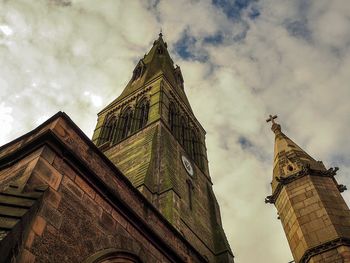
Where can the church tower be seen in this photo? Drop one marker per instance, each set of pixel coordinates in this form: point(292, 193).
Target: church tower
point(151, 134)
point(313, 213)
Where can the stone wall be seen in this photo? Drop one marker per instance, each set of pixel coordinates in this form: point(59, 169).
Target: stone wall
point(315, 219)
point(87, 206)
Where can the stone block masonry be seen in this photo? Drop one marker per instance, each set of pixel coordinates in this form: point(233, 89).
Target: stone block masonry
point(87, 205)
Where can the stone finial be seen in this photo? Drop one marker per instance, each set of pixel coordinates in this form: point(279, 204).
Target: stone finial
point(275, 126)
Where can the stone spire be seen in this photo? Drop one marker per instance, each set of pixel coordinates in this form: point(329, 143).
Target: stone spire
point(289, 158)
point(156, 63)
point(315, 217)
point(151, 134)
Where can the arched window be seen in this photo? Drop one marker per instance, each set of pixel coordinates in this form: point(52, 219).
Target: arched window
point(108, 130)
point(112, 255)
point(105, 130)
point(193, 145)
point(196, 151)
point(144, 114)
point(124, 125)
point(138, 71)
point(141, 114)
point(172, 117)
point(201, 156)
point(182, 131)
point(160, 51)
point(127, 117)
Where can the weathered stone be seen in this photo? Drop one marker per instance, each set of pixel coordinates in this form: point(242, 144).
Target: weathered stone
point(309, 204)
point(52, 216)
point(39, 225)
point(53, 197)
point(30, 239)
point(85, 187)
point(45, 173)
point(72, 187)
point(105, 205)
point(27, 257)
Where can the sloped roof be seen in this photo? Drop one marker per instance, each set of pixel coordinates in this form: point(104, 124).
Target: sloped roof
point(155, 65)
point(289, 157)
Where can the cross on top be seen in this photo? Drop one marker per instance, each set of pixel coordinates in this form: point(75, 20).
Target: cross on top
point(272, 119)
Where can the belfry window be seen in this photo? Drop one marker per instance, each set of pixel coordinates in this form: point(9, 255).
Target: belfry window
point(188, 137)
point(138, 71)
point(127, 123)
point(193, 146)
point(160, 51)
point(144, 114)
point(172, 117)
point(182, 134)
point(195, 149)
point(141, 114)
point(124, 124)
point(113, 130)
point(107, 131)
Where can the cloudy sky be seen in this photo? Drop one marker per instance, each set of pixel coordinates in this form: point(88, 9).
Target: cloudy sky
point(241, 60)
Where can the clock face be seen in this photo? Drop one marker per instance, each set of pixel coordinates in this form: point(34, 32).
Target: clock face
point(187, 164)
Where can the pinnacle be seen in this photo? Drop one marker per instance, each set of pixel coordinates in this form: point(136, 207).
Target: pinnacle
point(276, 128)
point(155, 63)
point(290, 158)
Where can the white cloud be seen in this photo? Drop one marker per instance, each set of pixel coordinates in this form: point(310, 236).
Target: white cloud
point(6, 30)
point(6, 120)
point(294, 61)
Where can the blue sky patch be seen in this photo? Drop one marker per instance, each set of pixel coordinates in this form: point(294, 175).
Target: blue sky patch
point(233, 8)
point(215, 39)
point(185, 47)
point(298, 29)
point(254, 13)
point(244, 142)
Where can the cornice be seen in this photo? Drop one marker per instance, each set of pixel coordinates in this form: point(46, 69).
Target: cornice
point(333, 244)
point(306, 170)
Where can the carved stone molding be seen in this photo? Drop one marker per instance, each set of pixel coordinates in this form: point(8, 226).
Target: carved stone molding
point(323, 248)
point(306, 170)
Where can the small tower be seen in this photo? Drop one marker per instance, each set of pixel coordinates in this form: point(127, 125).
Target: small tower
point(313, 213)
point(151, 134)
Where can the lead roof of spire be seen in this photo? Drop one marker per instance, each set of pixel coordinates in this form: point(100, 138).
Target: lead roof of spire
point(155, 63)
point(289, 158)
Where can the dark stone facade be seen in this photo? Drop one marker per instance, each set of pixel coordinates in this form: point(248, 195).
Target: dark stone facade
point(164, 156)
point(81, 208)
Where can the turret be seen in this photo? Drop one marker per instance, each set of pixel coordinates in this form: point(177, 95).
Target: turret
point(314, 215)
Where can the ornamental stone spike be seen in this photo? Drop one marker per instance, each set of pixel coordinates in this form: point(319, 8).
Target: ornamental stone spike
point(275, 126)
